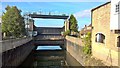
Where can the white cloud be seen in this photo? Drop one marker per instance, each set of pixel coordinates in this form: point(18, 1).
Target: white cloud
point(83, 14)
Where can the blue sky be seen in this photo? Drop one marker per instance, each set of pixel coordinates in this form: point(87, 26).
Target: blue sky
point(81, 11)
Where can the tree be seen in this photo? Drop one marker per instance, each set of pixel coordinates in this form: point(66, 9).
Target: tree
point(13, 22)
point(73, 24)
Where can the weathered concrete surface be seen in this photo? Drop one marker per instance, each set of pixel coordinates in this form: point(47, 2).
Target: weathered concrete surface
point(75, 40)
point(15, 52)
point(10, 44)
point(49, 30)
point(0, 45)
point(74, 47)
point(49, 36)
point(49, 42)
point(71, 61)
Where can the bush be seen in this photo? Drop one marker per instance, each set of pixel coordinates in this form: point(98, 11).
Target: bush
point(87, 50)
point(87, 44)
point(66, 33)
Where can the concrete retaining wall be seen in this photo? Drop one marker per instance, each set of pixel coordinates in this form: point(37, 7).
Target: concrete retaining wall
point(49, 30)
point(74, 47)
point(0, 45)
point(10, 44)
point(49, 36)
point(15, 52)
point(107, 56)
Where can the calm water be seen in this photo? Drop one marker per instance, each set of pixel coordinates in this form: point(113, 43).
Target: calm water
point(48, 48)
point(49, 57)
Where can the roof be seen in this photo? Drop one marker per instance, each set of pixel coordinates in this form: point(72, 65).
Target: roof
point(90, 25)
point(101, 5)
point(84, 30)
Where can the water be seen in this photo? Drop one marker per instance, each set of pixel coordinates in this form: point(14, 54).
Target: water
point(48, 48)
point(49, 57)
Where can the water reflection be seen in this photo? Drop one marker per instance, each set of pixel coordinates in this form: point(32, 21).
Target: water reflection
point(49, 57)
point(48, 48)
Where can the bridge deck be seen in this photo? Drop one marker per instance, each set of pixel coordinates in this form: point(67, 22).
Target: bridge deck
point(49, 42)
point(48, 16)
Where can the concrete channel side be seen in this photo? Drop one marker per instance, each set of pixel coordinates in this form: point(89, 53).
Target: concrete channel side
point(0, 46)
point(15, 51)
point(74, 47)
point(11, 44)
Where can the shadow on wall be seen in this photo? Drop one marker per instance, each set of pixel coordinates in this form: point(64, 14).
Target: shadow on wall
point(109, 57)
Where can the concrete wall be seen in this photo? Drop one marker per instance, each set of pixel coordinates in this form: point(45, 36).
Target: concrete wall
point(10, 44)
point(49, 37)
point(107, 51)
point(15, 52)
point(74, 47)
point(49, 30)
point(49, 42)
point(0, 44)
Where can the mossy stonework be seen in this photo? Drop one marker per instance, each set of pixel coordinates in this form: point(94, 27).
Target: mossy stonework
point(108, 50)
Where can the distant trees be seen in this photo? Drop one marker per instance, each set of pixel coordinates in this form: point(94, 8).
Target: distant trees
point(13, 23)
point(73, 23)
point(73, 27)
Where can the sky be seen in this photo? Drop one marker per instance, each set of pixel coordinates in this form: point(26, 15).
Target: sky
point(81, 10)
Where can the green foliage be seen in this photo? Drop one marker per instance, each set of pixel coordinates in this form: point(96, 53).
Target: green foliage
point(66, 33)
point(13, 23)
point(73, 24)
point(87, 44)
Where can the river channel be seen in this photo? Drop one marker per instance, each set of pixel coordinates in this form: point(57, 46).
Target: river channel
point(49, 57)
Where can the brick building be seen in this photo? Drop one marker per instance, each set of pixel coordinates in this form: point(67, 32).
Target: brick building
point(105, 41)
point(85, 30)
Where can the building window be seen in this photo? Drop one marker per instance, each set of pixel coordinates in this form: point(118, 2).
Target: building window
point(100, 38)
point(118, 41)
point(117, 31)
point(117, 9)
